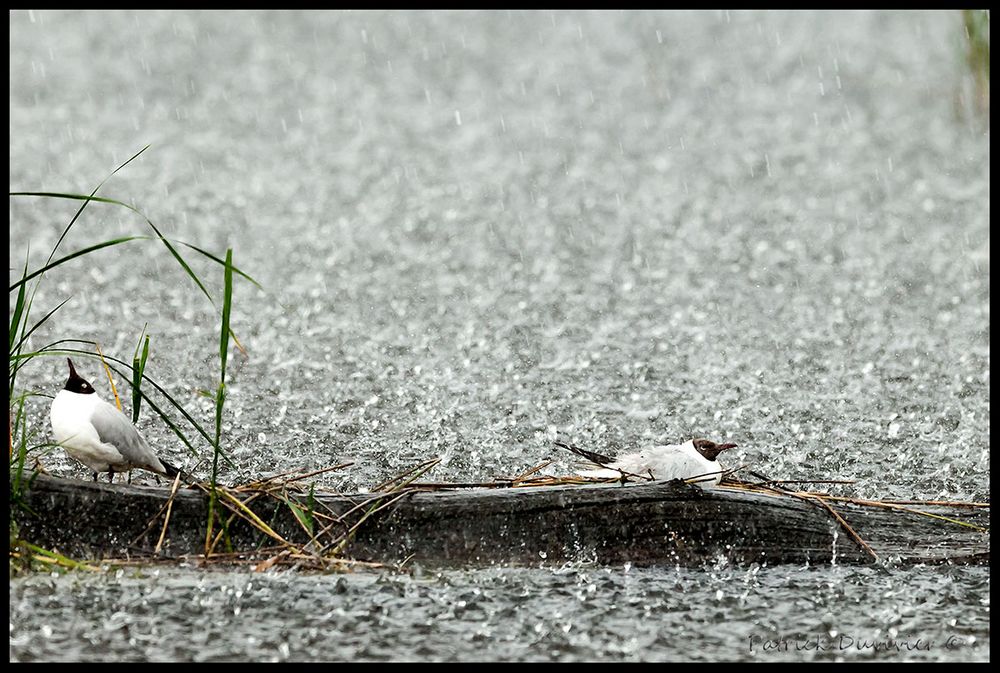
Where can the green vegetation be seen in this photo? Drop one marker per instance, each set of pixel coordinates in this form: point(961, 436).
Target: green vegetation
point(21, 441)
point(977, 55)
point(329, 534)
point(220, 398)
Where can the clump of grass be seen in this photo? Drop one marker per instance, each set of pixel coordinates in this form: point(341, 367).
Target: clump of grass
point(19, 435)
point(21, 330)
point(329, 532)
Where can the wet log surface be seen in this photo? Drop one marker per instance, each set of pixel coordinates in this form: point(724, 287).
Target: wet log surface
point(659, 523)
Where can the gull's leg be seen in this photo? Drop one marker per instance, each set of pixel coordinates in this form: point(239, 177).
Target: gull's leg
point(130, 477)
point(111, 476)
point(95, 477)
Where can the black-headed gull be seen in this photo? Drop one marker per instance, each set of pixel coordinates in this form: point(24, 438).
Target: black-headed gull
point(99, 435)
point(693, 458)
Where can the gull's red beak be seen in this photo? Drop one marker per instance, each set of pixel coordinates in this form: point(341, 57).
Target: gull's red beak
point(723, 447)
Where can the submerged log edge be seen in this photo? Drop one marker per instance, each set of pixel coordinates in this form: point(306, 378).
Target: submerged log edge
point(656, 523)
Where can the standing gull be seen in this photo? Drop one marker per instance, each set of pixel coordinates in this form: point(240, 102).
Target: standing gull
point(99, 435)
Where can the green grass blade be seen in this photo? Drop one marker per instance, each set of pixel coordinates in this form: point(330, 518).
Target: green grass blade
point(220, 400)
point(55, 558)
point(19, 423)
point(38, 324)
point(87, 198)
point(15, 320)
point(78, 253)
point(227, 304)
point(138, 367)
point(180, 260)
point(311, 506)
point(135, 353)
point(220, 394)
point(87, 202)
point(220, 262)
point(302, 514)
point(170, 424)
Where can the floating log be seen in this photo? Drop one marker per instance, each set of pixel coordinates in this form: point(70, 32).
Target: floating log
point(652, 523)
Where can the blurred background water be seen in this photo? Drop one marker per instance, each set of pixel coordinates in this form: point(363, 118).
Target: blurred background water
point(478, 230)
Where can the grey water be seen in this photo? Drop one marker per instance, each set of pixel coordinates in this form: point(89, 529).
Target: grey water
point(478, 231)
point(571, 614)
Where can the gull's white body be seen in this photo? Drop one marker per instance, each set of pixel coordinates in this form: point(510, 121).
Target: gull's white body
point(666, 462)
point(99, 435)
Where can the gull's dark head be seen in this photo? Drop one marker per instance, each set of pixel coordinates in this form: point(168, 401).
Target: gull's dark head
point(709, 449)
point(76, 383)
